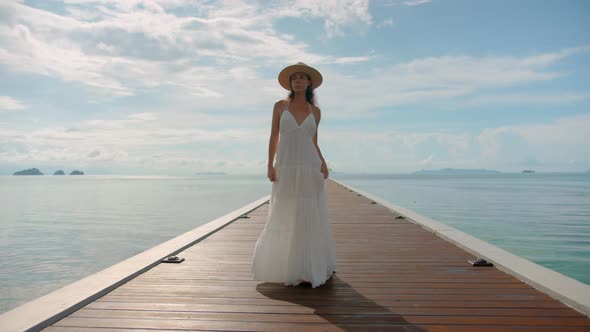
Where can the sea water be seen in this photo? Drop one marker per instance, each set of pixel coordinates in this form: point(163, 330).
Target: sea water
point(544, 218)
point(55, 230)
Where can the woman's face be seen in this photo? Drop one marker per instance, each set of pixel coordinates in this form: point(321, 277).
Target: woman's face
point(299, 81)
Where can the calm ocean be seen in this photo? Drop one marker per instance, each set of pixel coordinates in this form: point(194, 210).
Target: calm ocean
point(544, 218)
point(58, 229)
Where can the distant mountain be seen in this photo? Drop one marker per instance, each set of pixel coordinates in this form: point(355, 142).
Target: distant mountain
point(457, 171)
point(528, 171)
point(60, 172)
point(76, 173)
point(30, 171)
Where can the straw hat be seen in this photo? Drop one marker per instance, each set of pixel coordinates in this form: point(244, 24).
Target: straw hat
point(285, 75)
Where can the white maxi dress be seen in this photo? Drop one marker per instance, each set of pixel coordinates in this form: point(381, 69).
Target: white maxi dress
point(296, 243)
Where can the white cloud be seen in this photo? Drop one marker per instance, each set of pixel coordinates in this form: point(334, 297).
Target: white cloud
point(143, 116)
point(386, 23)
point(170, 145)
point(427, 162)
point(121, 47)
point(221, 56)
point(566, 131)
point(416, 2)
point(519, 99)
point(444, 82)
point(59, 58)
point(406, 2)
point(546, 146)
point(337, 14)
point(550, 145)
point(160, 146)
point(8, 103)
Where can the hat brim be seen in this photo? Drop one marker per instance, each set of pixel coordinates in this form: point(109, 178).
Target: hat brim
point(285, 75)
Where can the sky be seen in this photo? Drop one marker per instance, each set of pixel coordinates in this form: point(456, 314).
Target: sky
point(178, 87)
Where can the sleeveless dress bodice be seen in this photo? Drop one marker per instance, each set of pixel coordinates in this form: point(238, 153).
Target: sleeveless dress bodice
point(296, 148)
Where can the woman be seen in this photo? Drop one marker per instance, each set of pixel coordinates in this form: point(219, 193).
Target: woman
point(296, 244)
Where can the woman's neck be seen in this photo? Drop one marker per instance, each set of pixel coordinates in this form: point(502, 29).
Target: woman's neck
point(299, 98)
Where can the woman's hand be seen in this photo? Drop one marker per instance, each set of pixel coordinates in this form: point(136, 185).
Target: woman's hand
point(325, 170)
point(272, 173)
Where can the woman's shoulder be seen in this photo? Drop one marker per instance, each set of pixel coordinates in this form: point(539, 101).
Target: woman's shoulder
point(280, 103)
point(316, 110)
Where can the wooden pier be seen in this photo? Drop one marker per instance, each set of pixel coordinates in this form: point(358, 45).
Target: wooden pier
point(392, 275)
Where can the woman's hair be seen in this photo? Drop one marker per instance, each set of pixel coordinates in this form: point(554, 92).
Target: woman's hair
point(309, 95)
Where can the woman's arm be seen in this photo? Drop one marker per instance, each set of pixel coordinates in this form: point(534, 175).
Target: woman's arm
point(318, 116)
point(273, 141)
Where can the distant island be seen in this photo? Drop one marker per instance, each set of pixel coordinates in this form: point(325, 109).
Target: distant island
point(36, 171)
point(457, 171)
point(30, 171)
point(210, 173)
point(528, 171)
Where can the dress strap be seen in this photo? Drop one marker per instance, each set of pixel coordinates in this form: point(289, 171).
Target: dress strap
point(286, 106)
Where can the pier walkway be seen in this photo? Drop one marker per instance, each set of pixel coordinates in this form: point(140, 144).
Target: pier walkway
point(392, 275)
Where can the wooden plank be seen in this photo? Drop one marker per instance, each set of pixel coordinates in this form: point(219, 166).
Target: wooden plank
point(323, 328)
point(170, 305)
point(362, 317)
point(359, 328)
point(92, 312)
point(392, 275)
